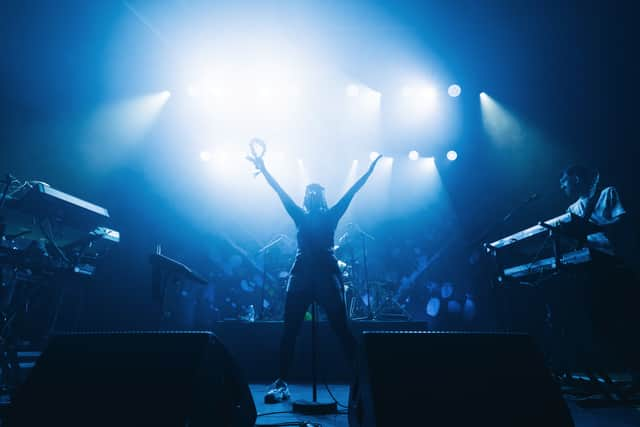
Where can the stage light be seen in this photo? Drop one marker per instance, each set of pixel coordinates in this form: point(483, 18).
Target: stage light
point(371, 100)
point(428, 94)
point(433, 306)
point(205, 156)
point(414, 155)
point(127, 121)
point(454, 90)
point(446, 291)
point(374, 155)
point(419, 101)
point(502, 125)
point(353, 90)
point(452, 155)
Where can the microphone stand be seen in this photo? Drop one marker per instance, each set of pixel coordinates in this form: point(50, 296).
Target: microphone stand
point(314, 407)
point(505, 219)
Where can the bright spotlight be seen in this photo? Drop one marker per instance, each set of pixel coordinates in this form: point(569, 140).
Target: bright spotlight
point(128, 120)
point(414, 155)
point(205, 156)
point(374, 155)
point(371, 100)
point(353, 90)
point(420, 99)
point(502, 125)
point(452, 155)
point(454, 90)
point(428, 93)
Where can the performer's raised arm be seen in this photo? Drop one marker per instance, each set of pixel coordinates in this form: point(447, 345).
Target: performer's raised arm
point(294, 211)
point(343, 204)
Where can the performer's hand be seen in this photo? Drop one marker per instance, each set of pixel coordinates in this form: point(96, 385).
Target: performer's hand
point(258, 148)
point(375, 162)
point(257, 162)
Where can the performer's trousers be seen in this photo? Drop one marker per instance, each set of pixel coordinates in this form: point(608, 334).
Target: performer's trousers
point(305, 287)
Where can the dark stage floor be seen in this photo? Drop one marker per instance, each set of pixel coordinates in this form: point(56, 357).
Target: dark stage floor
point(582, 417)
point(281, 412)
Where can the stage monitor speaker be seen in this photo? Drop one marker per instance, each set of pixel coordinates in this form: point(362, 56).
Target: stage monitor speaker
point(454, 379)
point(134, 379)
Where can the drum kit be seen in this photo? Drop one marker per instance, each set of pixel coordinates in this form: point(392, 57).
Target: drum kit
point(262, 297)
point(364, 299)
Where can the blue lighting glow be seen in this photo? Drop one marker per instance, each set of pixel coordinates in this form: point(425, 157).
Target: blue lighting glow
point(452, 155)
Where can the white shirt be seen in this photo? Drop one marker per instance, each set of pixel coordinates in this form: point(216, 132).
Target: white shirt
point(608, 210)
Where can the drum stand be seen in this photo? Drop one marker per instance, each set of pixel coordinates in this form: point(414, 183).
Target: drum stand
point(394, 311)
point(365, 274)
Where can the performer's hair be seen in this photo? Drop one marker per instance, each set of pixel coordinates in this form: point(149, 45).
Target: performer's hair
point(315, 188)
point(588, 176)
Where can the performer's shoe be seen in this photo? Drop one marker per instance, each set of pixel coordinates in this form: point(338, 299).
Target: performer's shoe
point(278, 392)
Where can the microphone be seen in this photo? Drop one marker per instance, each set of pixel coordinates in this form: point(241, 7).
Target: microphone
point(531, 198)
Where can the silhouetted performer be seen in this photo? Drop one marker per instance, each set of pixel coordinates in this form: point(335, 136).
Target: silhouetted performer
point(608, 290)
point(598, 205)
point(315, 275)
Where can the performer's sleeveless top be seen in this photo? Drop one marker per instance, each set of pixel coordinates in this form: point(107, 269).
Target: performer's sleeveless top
point(315, 243)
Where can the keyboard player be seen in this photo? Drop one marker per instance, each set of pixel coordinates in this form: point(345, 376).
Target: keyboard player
point(612, 285)
point(601, 206)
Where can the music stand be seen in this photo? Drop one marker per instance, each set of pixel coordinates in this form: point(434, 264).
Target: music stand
point(164, 269)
